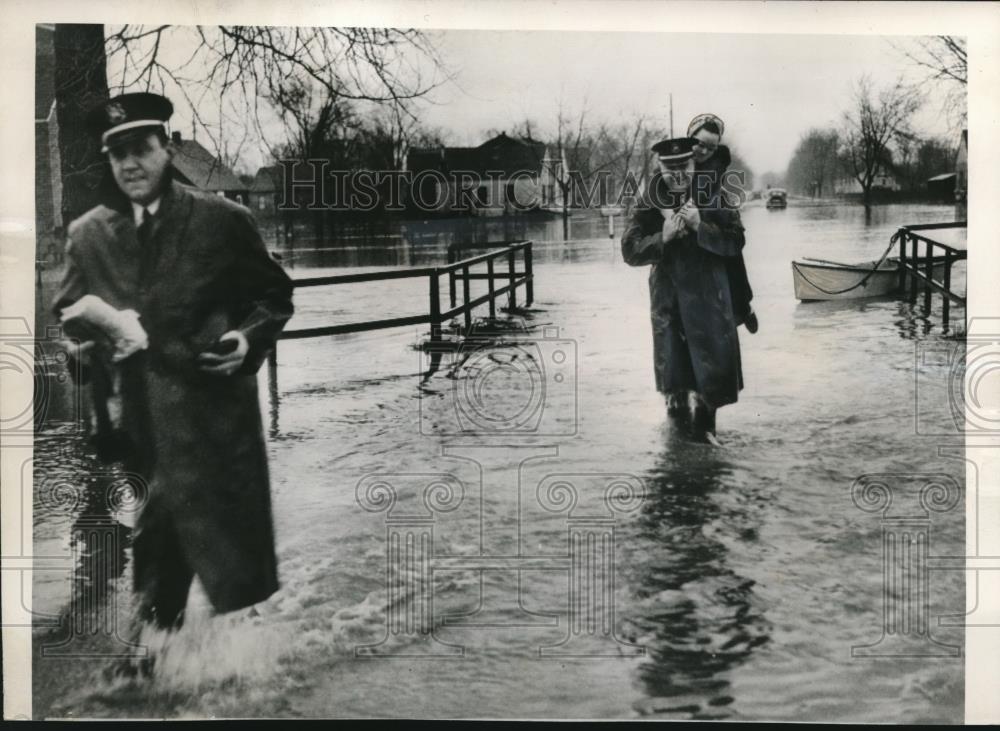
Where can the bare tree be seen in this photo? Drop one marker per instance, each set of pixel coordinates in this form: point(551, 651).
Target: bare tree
point(623, 149)
point(80, 76)
point(388, 135)
point(570, 151)
point(814, 162)
point(230, 69)
point(226, 72)
point(877, 117)
point(946, 62)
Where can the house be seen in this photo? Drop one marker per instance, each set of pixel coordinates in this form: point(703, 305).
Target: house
point(502, 175)
point(884, 179)
point(942, 186)
point(962, 167)
point(263, 193)
point(48, 167)
point(200, 168)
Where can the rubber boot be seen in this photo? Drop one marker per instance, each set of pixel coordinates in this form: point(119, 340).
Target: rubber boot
point(702, 419)
point(678, 412)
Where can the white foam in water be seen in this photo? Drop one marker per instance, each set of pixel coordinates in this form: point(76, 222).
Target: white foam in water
point(210, 649)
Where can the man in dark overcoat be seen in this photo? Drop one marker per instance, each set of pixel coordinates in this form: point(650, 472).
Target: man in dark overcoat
point(696, 349)
point(212, 302)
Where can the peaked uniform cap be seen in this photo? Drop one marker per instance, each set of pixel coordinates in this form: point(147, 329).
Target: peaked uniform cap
point(127, 116)
point(677, 149)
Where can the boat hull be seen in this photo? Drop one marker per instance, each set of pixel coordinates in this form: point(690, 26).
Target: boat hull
point(814, 282)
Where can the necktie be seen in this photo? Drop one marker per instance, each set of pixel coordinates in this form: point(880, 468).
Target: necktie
point(146, 225)
point(146, 255)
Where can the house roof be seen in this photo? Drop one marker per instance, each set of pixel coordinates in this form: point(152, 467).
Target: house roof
point(267, 179)
point(202, 169)
point(502, 154)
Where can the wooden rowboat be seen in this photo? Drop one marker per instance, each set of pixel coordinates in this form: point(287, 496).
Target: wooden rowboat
point(829, 280)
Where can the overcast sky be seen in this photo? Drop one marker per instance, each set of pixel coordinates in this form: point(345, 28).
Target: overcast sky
point(769, 89)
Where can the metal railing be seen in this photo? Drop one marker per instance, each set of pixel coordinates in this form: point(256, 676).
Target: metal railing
point(456, 270)
point(911, 263)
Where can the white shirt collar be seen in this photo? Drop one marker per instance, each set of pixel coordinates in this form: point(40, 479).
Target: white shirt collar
point(137, 210)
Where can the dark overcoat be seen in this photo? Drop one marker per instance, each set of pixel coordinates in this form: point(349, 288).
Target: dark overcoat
point(695, 344)
point(195, 438)
point(708, 193)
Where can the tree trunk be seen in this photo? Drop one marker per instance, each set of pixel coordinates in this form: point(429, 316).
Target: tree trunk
point(81, 82)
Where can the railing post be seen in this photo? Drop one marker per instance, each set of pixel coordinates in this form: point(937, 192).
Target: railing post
point(946, 303)
point(512, 295)
point(451, 277)
point(529, 285)
point(435, 297)
point(914, 282)
point(902, 262)
point(272, 371)
point(465, 299)
point(929, 273)
point(492, 286)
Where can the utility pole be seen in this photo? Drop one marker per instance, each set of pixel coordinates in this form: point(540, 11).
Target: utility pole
point(671, 115)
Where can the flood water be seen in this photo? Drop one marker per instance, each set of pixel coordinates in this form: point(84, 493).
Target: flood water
point(733, 581)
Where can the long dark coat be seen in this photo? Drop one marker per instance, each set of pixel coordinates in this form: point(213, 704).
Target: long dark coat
point(707, 190)
point(196, 438)
point(695, 344)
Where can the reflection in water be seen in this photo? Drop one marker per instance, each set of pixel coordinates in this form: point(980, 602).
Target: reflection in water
point(77, 496)
point(100, 542)
point(913, 322)
point(820, 213)
point(425, 243)
point(826, 313)
point(697, 618)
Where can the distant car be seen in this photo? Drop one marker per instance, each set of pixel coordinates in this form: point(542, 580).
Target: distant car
point(777, 198)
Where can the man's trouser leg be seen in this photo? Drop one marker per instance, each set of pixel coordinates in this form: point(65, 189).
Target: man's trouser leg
point(162, 575)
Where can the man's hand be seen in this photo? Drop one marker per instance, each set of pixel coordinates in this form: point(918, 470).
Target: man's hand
point(690, 216)
point(225, 364)
point(672, 228)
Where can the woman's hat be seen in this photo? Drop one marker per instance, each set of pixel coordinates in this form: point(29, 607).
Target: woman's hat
point(127, 116)
point(698, 122)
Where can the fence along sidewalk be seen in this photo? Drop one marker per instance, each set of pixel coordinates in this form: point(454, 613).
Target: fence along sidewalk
point(910, 264)
point(456, 271)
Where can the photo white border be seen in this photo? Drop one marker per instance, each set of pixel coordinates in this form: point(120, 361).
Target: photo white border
point(979, 22)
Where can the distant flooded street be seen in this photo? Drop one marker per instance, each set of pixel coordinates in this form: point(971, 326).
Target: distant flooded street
point(743, 575)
